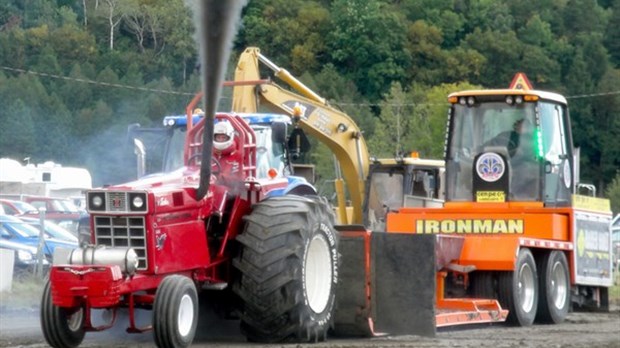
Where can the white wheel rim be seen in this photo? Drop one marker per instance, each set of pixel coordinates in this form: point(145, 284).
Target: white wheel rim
point(74, 321)
point(559, 290)
point(318, 273)
point(526, 288)
point(185, 318)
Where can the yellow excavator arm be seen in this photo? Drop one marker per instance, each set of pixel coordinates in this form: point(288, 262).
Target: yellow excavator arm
point(314, 116)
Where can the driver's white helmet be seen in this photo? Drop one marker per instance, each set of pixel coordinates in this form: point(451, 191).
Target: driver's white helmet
point(223, 136)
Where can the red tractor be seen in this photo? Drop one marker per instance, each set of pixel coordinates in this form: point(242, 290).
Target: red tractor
point(154, 245)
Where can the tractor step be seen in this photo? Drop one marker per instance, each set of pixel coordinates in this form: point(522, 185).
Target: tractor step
point(214, 286)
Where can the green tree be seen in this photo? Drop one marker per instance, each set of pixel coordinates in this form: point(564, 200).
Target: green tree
point(584, 16)
point(613, 193)
point(289, 32)
point(442, 15)
point(502, 52)
point(612, 34)
point(366, 44)
point(486, 15)
point(606, 118)
point(427, 57)
point(393, 126)
point(17, 135)
point(80, 94)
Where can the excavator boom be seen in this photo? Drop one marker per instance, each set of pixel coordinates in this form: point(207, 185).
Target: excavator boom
point(313, 115)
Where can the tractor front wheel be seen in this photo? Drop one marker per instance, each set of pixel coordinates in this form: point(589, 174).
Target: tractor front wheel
point(62, 327)
point(288, 263)
point(175, 312)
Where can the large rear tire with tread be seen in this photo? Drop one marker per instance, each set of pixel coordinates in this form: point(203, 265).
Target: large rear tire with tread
point(482, 285)
point(554, 284)
point(62, 327)
point(518, 290)
point(288, 270)
point(175, 312)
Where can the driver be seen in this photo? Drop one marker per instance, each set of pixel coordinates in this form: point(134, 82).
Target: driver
point(223, 138)
point(224, 148)
point(521, 132)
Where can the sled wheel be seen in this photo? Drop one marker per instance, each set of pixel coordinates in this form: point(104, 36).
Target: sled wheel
point(554, 285)
point(175, 312)
point(518, 290)
point(288, 263)
point(62, 327)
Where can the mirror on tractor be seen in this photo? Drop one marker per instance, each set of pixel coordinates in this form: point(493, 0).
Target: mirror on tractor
point(278, 132)
point(298, 144)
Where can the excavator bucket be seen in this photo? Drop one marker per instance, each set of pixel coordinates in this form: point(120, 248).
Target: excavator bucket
point(387, 284)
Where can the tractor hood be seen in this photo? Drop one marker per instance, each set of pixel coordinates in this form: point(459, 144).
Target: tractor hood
point(183, 177)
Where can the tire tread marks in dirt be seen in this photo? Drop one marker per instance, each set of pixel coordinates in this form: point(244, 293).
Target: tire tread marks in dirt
point(55, 325)
point(548, 313)
point(166, 311)
point(271, 258)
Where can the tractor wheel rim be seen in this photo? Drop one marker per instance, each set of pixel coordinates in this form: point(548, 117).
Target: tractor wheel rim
point(559, 289)
point(526, 288)
point(318, 273)
point(186, 315)
point(74, 321)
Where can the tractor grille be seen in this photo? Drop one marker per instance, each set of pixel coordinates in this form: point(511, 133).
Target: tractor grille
point(117, 201)
point(123, 231)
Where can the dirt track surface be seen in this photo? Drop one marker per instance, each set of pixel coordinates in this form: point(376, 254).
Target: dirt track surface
point(599, 330)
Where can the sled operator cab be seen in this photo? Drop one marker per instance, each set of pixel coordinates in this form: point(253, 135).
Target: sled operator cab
point(509, 146)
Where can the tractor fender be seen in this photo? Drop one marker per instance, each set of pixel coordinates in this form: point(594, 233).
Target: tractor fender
point(297, 185)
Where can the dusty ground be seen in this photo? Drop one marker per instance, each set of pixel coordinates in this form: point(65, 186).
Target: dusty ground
point(20, 328)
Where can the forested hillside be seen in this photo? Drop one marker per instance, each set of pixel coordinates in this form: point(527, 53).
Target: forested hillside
point(75, 73)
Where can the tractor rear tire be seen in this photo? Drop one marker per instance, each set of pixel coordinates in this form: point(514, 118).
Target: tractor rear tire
point(518, 290)
point(175, 312)
point(554, 284)
point(288, 270)
point(62, 327)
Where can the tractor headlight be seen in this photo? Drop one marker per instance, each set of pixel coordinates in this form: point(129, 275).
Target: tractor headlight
point(24, 256)
point(137, 201)
point(96, 201)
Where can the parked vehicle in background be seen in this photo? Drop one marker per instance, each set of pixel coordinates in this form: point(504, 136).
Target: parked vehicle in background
point(59, 210)
point(16, 208)
point(25, 257)
point(15, 230)
point(615, 242)
point(53, 229)
point(43, 179)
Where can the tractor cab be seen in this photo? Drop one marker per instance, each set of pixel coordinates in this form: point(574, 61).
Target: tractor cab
point(509, 145)
point(401, 182)
point(170, 141)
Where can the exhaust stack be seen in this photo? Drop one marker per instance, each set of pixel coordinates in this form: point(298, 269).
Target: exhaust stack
point(216, 26)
